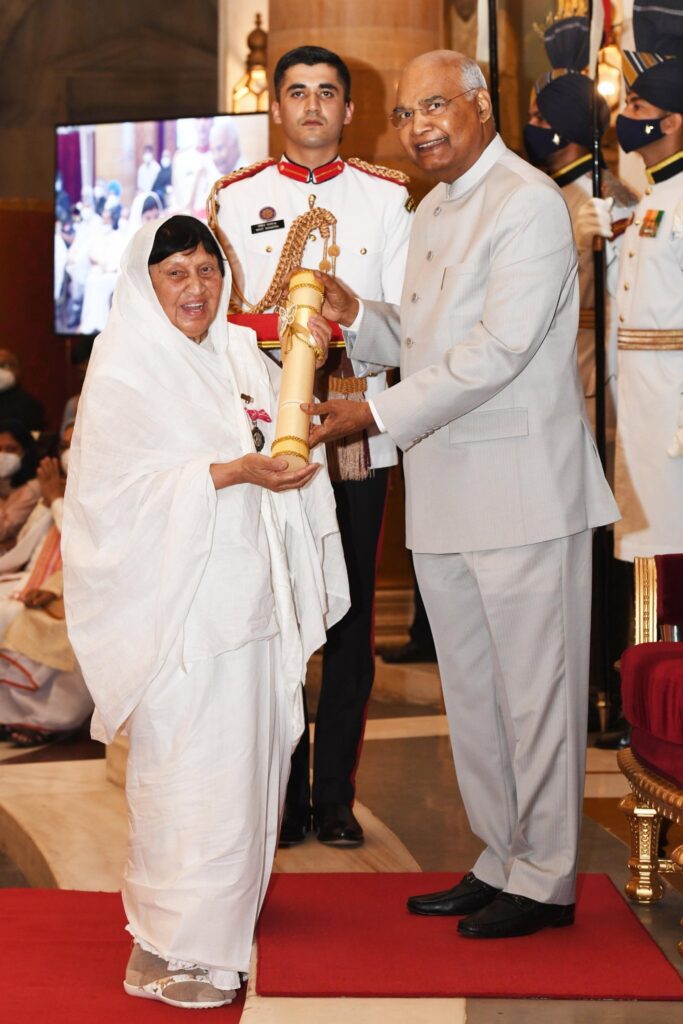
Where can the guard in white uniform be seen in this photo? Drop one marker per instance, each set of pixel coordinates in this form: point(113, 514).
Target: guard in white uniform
point(257, 206)
point(649, 467)
point(558, 138)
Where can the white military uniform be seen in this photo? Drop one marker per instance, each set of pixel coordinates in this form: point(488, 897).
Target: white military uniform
point(256, 209)
point(576, 192)
point(649, 482)
point(373, 225)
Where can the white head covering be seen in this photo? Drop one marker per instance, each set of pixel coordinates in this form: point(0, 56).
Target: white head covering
point(158, 565)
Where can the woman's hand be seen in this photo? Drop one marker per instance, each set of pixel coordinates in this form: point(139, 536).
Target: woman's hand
point(262, 471)
point(52, 483)
point(322, 333)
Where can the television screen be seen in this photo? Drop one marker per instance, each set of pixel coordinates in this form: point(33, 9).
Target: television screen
point(110, 178)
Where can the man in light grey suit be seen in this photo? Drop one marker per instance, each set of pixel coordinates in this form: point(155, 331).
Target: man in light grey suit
point(503, 487)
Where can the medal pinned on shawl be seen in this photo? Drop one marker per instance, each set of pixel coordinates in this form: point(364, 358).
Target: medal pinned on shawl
point(255, 415)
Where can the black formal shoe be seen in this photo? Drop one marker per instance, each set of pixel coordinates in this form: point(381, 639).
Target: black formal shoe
point(409, 654)
point(618, 740)
point(509, 915)
point(337, 825)
point(296, 822)
point(464, 898)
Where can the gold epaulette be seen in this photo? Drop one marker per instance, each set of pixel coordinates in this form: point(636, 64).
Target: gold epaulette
point(228, 179)
point(377, 171)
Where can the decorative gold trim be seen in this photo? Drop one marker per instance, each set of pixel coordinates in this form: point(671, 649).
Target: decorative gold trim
point(275, 343)
point(378, 170)
point(660, 794)
point(302, 453)
point(347, 385)
point(586, 319)
point(645, 885)
point(292, 454)
point(652, 798)
point(645, 572)
point(651, 171)
point(586, 159)
point(645, 340)
point(307, 284)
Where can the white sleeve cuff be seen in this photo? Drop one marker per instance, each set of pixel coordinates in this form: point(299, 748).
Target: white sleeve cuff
point(359, 316)
point(378, 419)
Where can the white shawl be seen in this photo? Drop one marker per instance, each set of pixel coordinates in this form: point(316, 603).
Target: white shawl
point(159, 567)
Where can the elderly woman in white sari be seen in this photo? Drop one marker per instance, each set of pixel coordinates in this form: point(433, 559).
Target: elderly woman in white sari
point(199, 577)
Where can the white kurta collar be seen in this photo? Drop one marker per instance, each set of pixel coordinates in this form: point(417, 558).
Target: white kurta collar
point(466, 181)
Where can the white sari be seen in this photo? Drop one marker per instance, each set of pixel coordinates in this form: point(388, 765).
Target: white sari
point(192, 614)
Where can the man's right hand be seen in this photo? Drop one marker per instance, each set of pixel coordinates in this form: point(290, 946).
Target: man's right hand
point(341, 304)
point(594, 218)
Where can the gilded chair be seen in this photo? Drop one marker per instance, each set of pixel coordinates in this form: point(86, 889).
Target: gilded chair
point(652, 695)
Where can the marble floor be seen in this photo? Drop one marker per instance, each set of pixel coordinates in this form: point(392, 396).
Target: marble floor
point(59, 798)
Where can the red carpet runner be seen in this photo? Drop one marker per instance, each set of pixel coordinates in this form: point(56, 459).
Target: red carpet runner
point(63, 958)
point(64, 953)
point(350, 935)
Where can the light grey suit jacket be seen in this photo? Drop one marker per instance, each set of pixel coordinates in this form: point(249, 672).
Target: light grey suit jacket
point(489, 411)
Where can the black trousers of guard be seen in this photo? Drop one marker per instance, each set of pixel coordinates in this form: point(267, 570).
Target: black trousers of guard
point(348, 656)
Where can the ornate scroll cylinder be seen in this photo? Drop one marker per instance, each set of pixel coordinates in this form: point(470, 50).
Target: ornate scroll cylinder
point(298, 368)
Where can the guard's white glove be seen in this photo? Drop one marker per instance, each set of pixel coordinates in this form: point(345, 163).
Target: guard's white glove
point(593, 218)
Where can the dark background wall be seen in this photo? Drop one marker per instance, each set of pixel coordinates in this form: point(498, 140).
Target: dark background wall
point(70, 61)
point(76, 60)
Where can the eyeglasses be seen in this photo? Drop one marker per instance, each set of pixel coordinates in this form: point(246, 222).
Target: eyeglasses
point(402, 116)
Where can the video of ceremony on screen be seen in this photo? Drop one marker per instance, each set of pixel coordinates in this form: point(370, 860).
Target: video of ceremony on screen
point(111, 178)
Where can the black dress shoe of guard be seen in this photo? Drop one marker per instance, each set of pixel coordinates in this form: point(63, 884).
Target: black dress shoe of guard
point(296, 822)
point(337, 825)
point(468, 895)
point(410, 654)
point(618, 740)
point(509, 915)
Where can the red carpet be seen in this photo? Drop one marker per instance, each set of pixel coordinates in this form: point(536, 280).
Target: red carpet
point(63, 958)
point(350, 935)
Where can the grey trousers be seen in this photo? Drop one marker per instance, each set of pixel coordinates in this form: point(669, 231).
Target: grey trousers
point(511, 629)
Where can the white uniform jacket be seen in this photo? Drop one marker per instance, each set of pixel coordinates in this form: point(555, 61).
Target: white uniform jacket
point(373, 225)
point(575, 194)
point(649, 483)
point(489, 411)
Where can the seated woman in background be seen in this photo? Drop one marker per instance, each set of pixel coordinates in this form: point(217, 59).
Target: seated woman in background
point(199, 577)
point(19, 489)
point(43, 697)
point(36, 547)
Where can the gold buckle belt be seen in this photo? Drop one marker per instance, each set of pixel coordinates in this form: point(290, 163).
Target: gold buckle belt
point(586, 319)
point(654, 341)
point(347, 385)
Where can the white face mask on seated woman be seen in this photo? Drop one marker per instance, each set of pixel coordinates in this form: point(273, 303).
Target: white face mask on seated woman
point(7, 379)
point(9, 463)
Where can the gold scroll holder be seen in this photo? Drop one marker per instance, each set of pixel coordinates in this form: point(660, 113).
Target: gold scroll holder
point(299, 354)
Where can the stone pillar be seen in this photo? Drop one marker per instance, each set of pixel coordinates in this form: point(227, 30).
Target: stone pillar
point(376, 38)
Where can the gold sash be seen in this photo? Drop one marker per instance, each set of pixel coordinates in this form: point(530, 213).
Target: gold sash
point(649, 340)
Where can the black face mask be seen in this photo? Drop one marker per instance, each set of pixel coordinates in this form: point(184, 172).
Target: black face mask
point(540, 143)
point(633, 133)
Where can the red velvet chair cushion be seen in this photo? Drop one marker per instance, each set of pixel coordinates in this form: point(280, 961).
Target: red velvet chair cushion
point(669, 589)
point(652, 694)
